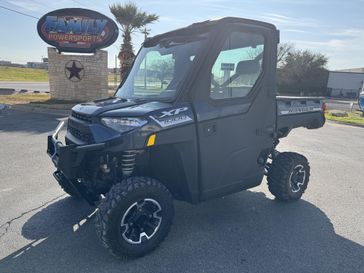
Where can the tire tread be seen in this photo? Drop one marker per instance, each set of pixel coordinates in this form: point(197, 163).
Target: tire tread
point(279, 174)
point(116, 195)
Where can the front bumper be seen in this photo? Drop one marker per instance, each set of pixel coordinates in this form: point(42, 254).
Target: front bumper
point(69, 158)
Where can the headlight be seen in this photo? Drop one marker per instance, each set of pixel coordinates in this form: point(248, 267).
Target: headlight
point(123, 124)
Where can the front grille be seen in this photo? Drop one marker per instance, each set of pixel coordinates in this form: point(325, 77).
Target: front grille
point(82, 117)
point(85, 137)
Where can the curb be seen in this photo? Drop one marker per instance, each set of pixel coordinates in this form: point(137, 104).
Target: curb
point(12, 91)
point(345, 123)
point(40, 110)
point(7, 91)
point(341, 102)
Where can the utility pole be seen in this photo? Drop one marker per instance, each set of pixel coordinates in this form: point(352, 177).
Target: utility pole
point(146, 32)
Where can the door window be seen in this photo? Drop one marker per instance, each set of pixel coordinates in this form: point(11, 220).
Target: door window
point(238, 66)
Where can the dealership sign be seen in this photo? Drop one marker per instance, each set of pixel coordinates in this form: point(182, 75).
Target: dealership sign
point(77, 30)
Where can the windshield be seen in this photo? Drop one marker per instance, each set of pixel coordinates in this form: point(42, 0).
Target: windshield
point(159, 69)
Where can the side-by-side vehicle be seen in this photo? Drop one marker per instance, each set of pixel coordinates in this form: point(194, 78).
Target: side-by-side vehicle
point(196, 118)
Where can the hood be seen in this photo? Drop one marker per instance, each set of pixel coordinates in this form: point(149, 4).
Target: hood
point(137, 110)
point(118, 107)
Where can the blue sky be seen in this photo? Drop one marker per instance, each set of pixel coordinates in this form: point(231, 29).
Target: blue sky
point(335, 28)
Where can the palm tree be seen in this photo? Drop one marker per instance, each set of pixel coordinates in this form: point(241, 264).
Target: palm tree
point(130, 18)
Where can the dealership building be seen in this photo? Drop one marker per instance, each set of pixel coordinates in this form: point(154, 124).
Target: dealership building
point(346, 83)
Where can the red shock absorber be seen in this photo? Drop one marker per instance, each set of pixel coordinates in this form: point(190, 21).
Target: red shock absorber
point(323, 107)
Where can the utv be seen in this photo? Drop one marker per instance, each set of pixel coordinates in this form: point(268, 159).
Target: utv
point(196, 118)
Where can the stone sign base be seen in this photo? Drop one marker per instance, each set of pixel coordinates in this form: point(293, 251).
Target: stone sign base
point(77, 77)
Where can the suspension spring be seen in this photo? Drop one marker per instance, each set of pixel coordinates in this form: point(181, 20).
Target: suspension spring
point(128, 162)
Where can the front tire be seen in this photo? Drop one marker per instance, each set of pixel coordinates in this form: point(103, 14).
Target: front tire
point(288, 176)
point(134, 217)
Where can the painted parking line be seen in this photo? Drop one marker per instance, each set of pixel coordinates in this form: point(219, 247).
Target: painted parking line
point(5, 190)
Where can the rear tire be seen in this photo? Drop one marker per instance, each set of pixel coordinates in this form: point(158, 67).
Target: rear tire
point(134, 217)
point(288, 176)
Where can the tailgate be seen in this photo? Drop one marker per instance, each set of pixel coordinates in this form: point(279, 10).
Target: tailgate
point(294, 112)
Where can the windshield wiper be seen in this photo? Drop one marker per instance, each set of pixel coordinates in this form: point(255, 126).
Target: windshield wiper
point(139, 99)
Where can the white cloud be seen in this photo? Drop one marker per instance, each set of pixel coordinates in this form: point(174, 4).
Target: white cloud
point(298, 2)
point(291, 22)
point(296, 23)
point(294, 30)
point(168, 19)
point(346, 52)
point(279, 17)
point(351, 32)
point(314, 45)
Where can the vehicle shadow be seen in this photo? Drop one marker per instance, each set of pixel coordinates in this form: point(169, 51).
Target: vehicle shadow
point(245, 232)
point(29, 122)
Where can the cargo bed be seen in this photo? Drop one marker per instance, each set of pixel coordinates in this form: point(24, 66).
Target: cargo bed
point(294, 112)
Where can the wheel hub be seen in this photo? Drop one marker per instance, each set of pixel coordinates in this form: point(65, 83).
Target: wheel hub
point(297, 178)
point(141, 221)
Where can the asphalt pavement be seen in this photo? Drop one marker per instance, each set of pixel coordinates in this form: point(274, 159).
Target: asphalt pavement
point(44, 230)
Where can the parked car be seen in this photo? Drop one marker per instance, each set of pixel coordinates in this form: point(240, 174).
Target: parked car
point(361, 101)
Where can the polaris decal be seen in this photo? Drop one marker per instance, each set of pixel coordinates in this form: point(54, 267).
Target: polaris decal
point(173, 112)
point(296, 107)
point(300, 110)
point(172, 117)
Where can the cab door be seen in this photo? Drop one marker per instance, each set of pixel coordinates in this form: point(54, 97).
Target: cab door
point(236, 110)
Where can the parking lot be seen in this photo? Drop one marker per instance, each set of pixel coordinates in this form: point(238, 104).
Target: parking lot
point(44, 230)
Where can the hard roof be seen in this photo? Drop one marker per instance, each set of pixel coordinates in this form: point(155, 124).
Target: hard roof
point(225, 20)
